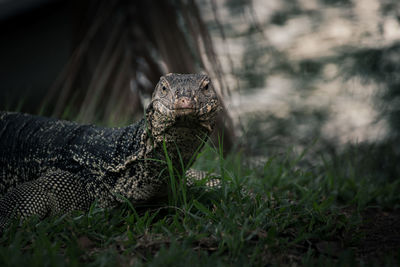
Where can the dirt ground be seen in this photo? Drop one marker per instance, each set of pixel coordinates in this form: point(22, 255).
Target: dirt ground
point(381, 234)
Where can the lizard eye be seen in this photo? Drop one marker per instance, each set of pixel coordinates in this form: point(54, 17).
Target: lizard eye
point(205, 87)
point(164, 90)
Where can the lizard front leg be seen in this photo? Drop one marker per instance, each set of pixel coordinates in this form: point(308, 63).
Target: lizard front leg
point(193, 175)
point(56, 192)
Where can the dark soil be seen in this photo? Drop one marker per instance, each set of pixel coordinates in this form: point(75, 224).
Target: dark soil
point(380, 235)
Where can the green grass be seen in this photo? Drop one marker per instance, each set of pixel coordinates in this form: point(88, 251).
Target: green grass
point(271, 213)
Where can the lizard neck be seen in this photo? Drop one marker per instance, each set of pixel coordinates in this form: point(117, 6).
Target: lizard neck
point(179, 139)
point(141, 176)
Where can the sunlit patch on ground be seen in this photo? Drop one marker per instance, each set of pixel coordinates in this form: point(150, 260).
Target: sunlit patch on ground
point(279, 40)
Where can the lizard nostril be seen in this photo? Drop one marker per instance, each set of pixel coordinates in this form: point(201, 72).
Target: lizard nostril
point(184, 102)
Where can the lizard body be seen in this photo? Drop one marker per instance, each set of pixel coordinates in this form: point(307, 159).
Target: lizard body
point(50, 166)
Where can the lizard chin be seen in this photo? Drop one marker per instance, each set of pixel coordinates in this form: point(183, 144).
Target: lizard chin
point(164, 117)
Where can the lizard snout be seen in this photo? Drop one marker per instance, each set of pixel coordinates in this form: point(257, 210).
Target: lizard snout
point(184, 103)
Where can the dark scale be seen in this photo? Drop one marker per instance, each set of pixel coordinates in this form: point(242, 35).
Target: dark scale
point(50, 166)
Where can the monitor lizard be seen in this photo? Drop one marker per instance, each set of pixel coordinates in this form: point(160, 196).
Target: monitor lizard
point(50, 166)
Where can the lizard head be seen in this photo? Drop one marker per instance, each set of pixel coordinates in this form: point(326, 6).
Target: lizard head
point(186, 100)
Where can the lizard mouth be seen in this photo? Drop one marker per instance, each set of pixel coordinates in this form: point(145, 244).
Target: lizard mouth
point(188, 118)
point(184, 111)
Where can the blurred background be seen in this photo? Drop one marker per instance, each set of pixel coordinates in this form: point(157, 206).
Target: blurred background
point(322, 75)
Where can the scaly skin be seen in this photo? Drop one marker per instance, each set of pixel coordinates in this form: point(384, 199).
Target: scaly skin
point(50, 166)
